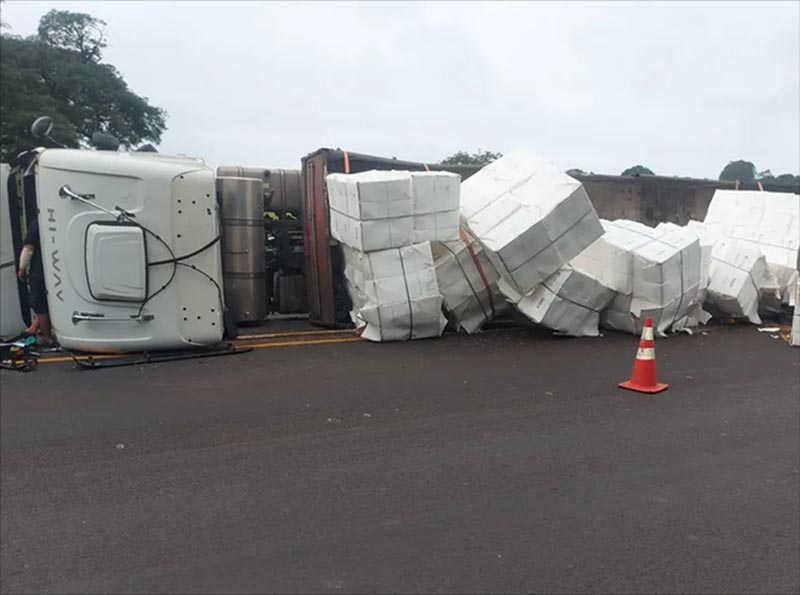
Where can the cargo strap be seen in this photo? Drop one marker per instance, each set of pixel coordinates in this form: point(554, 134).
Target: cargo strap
point(346, 162)
point(467, 279)
point(568, 299)
point(478, 266)
point(408, 296)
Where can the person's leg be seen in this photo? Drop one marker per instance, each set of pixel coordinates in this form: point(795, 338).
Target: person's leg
point(38, 297)
point(34, 326)
point(46, 328)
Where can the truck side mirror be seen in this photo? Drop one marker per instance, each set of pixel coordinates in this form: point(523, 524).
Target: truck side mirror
point(42, 127)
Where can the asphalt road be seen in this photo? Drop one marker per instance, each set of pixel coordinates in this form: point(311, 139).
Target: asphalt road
point(506, 462)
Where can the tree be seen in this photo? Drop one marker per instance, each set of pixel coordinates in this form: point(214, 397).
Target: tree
point(480, 157)
point(743, 171)
point(76, 31)
point(787, 180)
point(82, 96)
point(638, 170)
point(767, 177)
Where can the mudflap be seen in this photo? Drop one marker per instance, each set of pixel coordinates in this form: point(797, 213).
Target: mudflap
point(91, 362)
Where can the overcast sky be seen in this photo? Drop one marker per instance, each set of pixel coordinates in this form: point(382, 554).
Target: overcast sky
point(682, 88)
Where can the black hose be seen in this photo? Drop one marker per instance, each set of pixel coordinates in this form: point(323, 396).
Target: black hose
point(185, 256)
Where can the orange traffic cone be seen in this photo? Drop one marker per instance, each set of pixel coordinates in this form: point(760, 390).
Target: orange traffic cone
point(643, 378)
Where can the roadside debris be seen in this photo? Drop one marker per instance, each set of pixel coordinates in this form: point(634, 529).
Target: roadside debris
point(20, 355)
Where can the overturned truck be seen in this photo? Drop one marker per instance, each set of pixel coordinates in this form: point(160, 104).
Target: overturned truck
point(130, 246)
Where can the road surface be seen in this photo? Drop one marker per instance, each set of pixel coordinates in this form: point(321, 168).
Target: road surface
point(505, 462)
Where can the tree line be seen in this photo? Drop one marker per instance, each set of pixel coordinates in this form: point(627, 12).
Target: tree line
point(739, 170)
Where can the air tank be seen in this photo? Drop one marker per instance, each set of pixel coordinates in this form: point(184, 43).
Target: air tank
point(242, 203)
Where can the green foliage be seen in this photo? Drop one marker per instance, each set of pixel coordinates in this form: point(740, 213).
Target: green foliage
point(741, 170)
point(767, 177)
point(745, 171)
point(82, 95)
point(480, 157)
point(638, 170)
point(75, 31)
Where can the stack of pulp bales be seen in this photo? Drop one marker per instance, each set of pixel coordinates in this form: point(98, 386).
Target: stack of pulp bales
point(654, 272)
point(386, 221)
point(531, 219)
point(769, 222)
point(736, 273)
point(468, 283)
point(377, 210)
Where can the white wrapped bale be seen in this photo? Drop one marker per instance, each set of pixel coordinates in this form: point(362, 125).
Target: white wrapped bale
point(531, 217)
point(468, 283)
point(769, 221)
point(736, 273)
point(695, 313)
point(378, 210)
point(394, 293)
point(655, 272)
point(568, 301)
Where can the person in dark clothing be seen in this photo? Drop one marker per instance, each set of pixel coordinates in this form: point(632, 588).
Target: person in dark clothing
point(31, 266)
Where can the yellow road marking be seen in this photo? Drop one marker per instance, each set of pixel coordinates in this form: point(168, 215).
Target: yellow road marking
point(61, 359)
point(245, 337)
point(352, 339)
point(58, 359)
point(315, 342)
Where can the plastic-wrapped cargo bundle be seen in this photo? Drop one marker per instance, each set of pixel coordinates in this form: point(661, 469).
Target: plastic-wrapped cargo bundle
point(394, 293)
point(531, 217)
point(654, 272)
point(377, 210)
point(468, 283)
point(769, 221)
point(568, 301)
point(695, 314)
point(735, 275)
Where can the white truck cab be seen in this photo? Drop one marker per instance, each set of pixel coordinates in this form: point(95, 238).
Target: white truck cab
point(131, 250)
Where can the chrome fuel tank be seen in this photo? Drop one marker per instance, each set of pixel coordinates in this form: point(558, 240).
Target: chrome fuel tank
point(242, 201)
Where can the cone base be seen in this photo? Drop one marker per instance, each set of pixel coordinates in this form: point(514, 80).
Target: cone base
point(656, 388)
